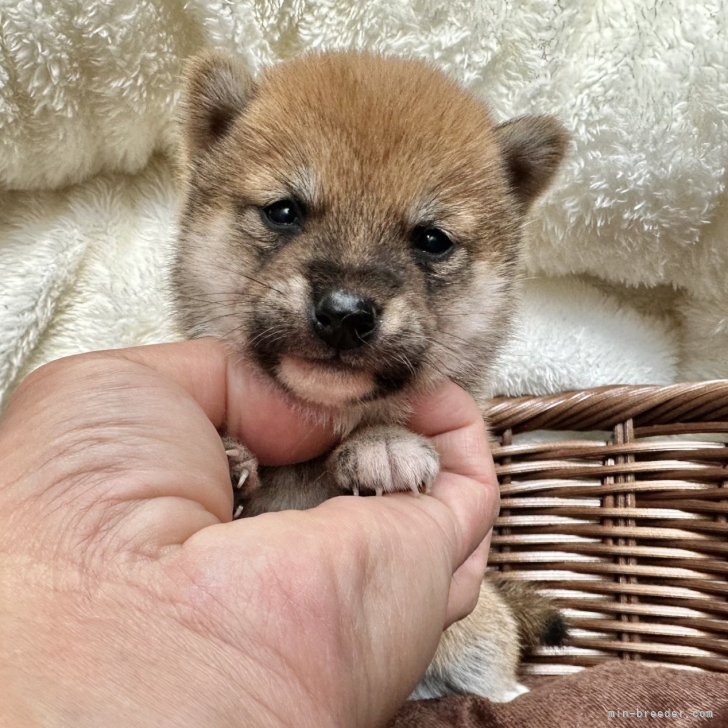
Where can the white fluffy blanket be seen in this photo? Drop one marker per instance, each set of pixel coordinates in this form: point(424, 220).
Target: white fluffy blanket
point(627, 256)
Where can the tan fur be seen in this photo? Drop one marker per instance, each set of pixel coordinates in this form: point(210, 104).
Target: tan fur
point(371, 149)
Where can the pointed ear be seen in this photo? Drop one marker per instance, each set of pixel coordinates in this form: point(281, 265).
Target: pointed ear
point(217, 89)
point(532, 148)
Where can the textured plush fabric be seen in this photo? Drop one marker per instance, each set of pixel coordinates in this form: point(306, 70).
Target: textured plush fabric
point(88, 91)
point(613, 694)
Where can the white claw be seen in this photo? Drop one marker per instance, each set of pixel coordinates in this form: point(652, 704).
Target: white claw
point(238, 512)
point(415, 489)
point(233, 453)
point(244, 473)
point(355, 490)
point(379, 490)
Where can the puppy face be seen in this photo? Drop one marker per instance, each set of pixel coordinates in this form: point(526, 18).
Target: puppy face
point(351, 222)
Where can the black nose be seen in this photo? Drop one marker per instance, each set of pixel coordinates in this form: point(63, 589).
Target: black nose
point(344, 320)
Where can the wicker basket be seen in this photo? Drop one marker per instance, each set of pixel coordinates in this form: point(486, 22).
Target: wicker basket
point(617, 507)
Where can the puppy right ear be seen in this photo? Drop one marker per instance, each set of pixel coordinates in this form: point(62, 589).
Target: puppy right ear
point(533, 147)
point(217, 89)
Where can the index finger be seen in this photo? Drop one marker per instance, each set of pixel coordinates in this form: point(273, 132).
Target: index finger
point(467, 483)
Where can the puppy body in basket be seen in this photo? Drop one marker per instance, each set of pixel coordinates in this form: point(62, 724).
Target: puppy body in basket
point(351, 226)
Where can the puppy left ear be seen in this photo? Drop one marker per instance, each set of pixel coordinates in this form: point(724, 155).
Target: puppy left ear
point(217, 90)
point(532, 147)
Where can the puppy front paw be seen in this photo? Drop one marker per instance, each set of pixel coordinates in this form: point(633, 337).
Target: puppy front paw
point(384, 460)
point(243, 472)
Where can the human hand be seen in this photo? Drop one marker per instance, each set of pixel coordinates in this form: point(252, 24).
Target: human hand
point(129, 597)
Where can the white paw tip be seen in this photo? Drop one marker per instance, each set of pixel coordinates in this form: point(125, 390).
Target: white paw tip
point(508, 695)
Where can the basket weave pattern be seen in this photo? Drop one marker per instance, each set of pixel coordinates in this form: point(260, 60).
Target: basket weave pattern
point(627, 527)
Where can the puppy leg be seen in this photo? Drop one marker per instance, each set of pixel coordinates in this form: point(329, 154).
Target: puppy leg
point(477, 655)
point(290, 487)
point(481, 653)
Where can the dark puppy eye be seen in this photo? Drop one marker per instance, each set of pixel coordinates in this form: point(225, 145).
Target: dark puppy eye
point(432, 242)
point(283, 215)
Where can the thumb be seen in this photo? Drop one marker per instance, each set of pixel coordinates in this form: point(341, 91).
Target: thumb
point(129, 437)
point(232, 394)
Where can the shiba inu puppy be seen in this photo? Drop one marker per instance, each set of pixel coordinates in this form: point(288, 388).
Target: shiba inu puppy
point(351, 225)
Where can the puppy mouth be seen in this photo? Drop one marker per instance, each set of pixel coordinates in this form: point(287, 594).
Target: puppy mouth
point(326, 382)
point(331, 383)
point(333, 380)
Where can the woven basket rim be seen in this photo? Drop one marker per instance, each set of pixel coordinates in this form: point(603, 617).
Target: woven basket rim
point(604, 407)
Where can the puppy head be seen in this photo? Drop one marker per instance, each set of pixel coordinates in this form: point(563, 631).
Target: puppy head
point(351, 222)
